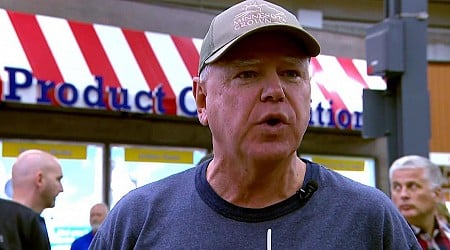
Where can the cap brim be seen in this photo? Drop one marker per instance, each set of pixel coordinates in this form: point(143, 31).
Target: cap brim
point(308, 43)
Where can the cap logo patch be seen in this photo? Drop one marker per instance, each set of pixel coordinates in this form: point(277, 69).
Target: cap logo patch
point(257, 14)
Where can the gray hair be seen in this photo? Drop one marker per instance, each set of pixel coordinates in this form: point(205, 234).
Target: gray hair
point(432, 173)
point(204, 73)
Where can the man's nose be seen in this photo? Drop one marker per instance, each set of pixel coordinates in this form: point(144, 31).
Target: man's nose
point(404, 192)
point(272, 88)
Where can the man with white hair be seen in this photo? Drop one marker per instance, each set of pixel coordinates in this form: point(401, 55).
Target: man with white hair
point(416, 191)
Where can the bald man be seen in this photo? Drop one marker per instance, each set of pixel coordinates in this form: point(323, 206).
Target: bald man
point(36, 179)
point(97, 216)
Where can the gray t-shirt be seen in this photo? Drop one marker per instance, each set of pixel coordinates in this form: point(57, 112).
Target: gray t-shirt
point(183, 212)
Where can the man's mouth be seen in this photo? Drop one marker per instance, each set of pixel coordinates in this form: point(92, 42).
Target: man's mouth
point(273, 121)
point(406, 207)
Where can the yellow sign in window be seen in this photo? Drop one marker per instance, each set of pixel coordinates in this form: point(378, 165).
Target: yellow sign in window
point(158, 155)
point(61, 151)
point(340, 164)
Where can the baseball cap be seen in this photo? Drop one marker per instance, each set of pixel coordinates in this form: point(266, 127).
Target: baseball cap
point(249, 17)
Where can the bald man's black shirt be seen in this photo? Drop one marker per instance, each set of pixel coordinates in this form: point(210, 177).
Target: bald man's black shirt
point(21, 228)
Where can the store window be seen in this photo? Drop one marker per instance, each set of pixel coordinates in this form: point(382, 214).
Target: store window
point(360, 169)
point(133, 166)
point(82, 182)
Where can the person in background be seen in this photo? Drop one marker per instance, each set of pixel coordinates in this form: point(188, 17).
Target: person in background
point(96, 216)
point(36, 181)
point(20, 228)
point(416, 191)
point(443, 215)
point(253, 92)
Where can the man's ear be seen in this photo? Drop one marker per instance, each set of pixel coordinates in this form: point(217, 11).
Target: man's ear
point(38, 178)
point(199, 91)
point(437, 193)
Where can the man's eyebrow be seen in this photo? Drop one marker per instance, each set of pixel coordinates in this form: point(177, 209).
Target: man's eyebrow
point(407, 182)
point(294, 60)
point(243, 62)
point(249, 62)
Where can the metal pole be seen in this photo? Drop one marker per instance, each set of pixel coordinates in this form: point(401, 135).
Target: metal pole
point(410, 133)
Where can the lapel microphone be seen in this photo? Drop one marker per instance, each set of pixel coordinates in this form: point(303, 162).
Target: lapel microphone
point(306, 193)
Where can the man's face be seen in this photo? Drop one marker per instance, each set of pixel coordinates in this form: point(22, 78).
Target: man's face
point(412, 194)
point(52, 185)
point(97, 215)
point(258, 96)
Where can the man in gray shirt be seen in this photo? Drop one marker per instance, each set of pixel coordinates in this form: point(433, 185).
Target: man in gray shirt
point(253, 91)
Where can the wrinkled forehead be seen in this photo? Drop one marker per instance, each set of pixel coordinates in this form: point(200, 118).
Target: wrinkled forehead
point(98, 209)
point(242, 61)
point(409, 174)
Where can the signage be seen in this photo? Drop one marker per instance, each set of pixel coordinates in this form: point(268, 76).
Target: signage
point(332, 118)
point(60, 151)
point(340, 163)
point(360, 169)
point(54, 61)
point(159, 155)
point(95, 95)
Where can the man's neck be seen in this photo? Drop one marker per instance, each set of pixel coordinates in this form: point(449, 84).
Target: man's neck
point(428, 226)
point(28, 203)
point(256, 189)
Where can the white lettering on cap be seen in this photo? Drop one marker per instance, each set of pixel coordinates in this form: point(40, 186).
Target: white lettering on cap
point(257, 14)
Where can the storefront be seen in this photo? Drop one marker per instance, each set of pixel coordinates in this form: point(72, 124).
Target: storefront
point(116, 106)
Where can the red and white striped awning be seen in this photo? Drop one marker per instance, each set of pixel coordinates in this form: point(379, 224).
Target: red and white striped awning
point(62, 62)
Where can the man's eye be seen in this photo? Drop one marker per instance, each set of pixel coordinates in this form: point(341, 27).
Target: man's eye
point(291, 73)
point(247, 74)
point(296, 74)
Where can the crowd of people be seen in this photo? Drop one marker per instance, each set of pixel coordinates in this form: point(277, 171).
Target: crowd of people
point(253, 191)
